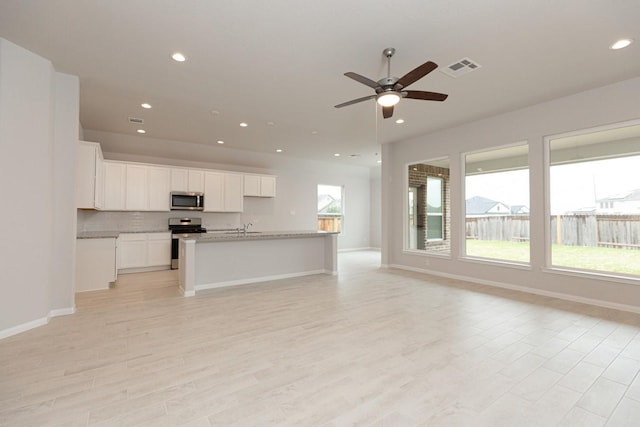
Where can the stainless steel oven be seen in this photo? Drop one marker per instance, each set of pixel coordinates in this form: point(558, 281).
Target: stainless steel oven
point(182, 227)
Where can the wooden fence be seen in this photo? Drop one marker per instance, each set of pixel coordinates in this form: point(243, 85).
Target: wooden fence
point(330, 223)
point(511, 228)
point(615, 231)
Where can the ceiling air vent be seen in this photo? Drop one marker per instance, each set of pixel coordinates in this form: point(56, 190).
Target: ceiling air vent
point(136, 120)
point(464, 66)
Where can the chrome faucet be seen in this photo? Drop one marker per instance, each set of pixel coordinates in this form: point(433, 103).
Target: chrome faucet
point(245, 227)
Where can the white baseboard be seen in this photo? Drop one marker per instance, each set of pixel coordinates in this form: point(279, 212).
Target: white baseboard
point(62, 312)
point(258, 279)
point(358, 249)
point(18, 329)
point(558, 295)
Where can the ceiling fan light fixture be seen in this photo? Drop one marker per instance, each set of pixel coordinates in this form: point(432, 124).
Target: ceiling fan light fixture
point(388, 99)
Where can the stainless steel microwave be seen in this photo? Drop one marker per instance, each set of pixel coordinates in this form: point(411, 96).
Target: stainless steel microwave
point(184, 201)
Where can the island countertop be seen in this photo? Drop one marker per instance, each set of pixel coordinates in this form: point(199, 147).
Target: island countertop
point(255, 235)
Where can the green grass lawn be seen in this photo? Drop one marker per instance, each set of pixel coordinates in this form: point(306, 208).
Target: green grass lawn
point(586, 257)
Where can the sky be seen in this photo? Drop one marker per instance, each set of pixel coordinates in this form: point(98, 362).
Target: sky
point(573, 186)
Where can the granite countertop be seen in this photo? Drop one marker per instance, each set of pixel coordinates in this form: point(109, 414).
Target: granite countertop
point(98, 234)
point(255, 235)
point(111, 234)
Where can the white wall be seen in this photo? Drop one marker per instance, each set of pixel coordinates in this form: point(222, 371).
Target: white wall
point(294, 208)
point(65, 135)
point(30, 94)
point(375, 228)
point(610, 104)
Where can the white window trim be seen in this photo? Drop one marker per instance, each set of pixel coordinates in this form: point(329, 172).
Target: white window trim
point(571, 271)
point(462, 238)
point(405, 208)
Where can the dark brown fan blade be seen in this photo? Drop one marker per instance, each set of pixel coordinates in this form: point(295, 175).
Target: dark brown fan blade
point(355, 101)
point(417, 73)
point(387, 112)
point(426, 96)
point(362, 79)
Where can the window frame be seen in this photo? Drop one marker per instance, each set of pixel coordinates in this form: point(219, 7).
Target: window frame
point(405, 211)
point(548, 258)
point(342, 205)
point(462, 242)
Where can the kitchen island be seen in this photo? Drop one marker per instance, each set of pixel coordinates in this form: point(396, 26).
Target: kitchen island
point(214, 260)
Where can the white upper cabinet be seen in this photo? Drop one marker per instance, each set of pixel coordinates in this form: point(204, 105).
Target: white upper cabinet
point(259, 186)
point(191, 180)
point(179, 179)
point(196, 181)
point(223, 192)
point(159, 180)
point(89, 176)
point(136, 188)
point(115, 174)
point(213, 192)
point(132, 186)
point(233, 201)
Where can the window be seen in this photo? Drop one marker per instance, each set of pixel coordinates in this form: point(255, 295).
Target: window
point(428, 222)
point(497, 204)
point(330, 208)
point(594, 200)
point(434, 208)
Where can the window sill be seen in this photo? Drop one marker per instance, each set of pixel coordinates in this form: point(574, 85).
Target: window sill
point(497, 262)
point(597, 275)
point(422, 252)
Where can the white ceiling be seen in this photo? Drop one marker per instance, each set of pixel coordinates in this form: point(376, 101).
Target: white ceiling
point(282, 61)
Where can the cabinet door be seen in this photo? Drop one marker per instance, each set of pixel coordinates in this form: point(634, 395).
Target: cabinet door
point(179, 179)
point(85, 175)
point(158, 191)
point(252, 185)
point(99, 192)
point(233, 192)
point(132, 250)
point(196, 181)
point(213, 192)
point(268, 186)
point(136, 188)
point(114, 186)
point(158, 249)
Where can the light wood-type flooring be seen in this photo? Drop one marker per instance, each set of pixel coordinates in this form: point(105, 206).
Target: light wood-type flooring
point(369, 347)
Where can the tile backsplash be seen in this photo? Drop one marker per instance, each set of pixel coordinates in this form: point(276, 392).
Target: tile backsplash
point(89, 220)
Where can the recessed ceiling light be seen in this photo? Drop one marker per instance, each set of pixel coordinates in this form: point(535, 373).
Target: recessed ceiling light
point(279, 150)
point(621, 44)
point(336, 155)
point(220, 141)
point(178, 57)
point(379, 161)
point(142, 131)
point(146, 105)
point(215, 112)
point(270, 124)
point(243, 125)
point(400, 121)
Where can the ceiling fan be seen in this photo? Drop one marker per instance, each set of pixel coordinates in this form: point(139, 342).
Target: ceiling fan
point(390, 89)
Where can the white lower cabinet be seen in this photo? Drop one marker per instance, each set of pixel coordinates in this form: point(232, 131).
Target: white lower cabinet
point(95, 264)
point(143, 250)
point(158, 249)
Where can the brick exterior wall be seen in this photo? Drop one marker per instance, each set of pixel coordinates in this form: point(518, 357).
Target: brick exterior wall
point(418, 174)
